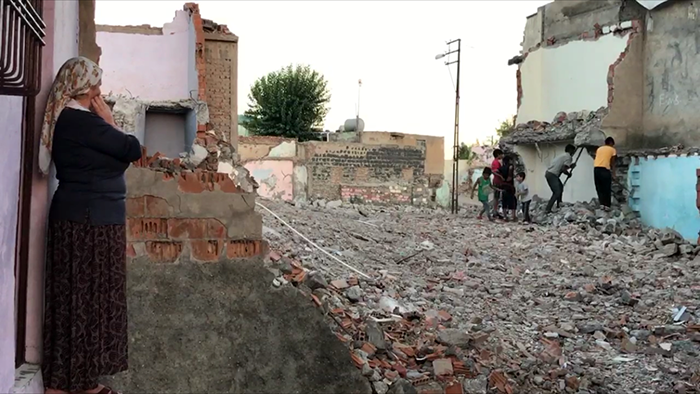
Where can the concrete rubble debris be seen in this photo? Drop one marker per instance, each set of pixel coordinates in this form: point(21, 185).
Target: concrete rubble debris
point(207, 154)
point(620, 222)
point(583, 127)
point(564, 307)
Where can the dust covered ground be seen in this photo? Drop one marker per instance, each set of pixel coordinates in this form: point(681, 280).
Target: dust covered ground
point(576, 306)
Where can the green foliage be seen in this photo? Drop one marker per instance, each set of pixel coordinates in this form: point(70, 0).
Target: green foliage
point(291, 102)
point(506, 127)
point(466, 153)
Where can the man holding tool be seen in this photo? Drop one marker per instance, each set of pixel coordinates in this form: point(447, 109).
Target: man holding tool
point(561, 164)
point(604, 171)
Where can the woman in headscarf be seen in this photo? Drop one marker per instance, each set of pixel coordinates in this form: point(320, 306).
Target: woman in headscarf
point(85, 326)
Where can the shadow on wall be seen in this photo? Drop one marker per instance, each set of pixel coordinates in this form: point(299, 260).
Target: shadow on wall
point(667, 193)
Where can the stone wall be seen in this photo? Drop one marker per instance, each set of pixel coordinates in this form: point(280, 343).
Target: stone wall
point(349, 171)
point(434, 146)
point(332, 165)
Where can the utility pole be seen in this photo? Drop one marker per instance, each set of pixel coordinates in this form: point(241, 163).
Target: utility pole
point(357, 117)
point(455, 159)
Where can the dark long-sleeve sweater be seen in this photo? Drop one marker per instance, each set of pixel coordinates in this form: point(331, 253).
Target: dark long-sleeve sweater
point(91, 157)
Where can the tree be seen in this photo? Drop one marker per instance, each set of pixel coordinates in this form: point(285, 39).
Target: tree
point(506, 127)
point(466, 153)
point(291, 102)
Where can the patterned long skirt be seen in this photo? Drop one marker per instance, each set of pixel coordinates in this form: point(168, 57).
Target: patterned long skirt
point(85, 326)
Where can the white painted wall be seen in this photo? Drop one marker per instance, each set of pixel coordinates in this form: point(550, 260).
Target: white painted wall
point(579, 188)
point(152, 67)
point(569, 78)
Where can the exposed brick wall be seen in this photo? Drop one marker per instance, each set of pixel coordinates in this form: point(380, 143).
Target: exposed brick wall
point(220, 57)
point(334, 164)
point(197, 214)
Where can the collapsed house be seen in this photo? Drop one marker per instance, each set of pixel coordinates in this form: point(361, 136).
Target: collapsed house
point(352, 167)
point(626, 69)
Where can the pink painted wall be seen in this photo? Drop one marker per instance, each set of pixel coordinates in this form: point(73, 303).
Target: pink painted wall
point(152, 67)
point(10, 151)
point(275, 178)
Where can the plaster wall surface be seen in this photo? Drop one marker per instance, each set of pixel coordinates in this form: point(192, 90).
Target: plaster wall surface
point(672, 85)
point(666, 193)
point(550, 75)
point(260, 147)
point(566, 20)
point(275, 178)
point(10, 150)
point(165, 133)
point(149, 66)
point(533, 30)
point(579, 188)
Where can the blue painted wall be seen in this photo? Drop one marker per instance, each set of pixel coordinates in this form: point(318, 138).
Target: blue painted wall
point(664, 193)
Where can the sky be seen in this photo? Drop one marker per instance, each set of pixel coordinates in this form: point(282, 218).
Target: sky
point(389, 45)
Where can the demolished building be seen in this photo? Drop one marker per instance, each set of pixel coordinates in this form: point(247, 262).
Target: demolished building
point(626, 69)
point(359, 167)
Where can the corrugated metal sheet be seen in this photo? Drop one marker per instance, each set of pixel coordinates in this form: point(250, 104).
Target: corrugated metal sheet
point(651, 4)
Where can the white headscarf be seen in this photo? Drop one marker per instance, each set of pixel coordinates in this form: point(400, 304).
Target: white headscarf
point(76, 77)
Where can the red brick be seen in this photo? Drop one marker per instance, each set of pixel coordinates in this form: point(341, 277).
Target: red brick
point(135, 207)
point(215, 229)
point(146, 228)
point(243, 248)
point(207, 250)
point(189, 182)
point(454, 387)
point(226, 185)
point(187, 228)
point(157, 207)
point(163, 251)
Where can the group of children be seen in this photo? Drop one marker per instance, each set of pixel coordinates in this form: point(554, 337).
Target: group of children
point(506, 187)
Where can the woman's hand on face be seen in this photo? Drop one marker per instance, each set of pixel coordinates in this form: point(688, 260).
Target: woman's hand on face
point(102, 109)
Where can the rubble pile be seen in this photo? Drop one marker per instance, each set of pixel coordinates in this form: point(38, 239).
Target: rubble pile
point(208, 153)
point(456, 305)
point(583, 127)
point(592, 219)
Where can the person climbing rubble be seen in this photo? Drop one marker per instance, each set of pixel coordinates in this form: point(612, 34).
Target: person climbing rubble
point(604, 171)
point(561, 164)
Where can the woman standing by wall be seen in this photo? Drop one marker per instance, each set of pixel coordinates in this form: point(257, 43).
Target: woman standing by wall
point(85, 323)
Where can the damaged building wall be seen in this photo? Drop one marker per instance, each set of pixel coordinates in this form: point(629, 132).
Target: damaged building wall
point(369, 172)
point(197, 286)
point(272, 161)
point(671, 93)
point(333, 165)
point(570, 77)
point(128, 60)
point(434, 146)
